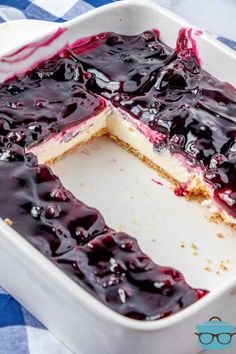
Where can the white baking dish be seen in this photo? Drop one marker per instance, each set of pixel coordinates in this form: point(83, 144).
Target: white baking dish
point(159, 220)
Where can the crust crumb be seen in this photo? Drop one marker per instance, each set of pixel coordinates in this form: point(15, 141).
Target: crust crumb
point(220, 235)
point(8, 221)
point(222, 266)
point(217, 218)
point(182, 245)
point(197, 190)
point(194, 246)
point(207, 268)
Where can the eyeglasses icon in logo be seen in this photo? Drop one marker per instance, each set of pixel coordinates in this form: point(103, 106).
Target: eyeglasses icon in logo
point(215, 334)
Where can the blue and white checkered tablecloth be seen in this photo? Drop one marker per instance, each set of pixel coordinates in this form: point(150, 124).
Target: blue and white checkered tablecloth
point(50, 10)
point(21, 333)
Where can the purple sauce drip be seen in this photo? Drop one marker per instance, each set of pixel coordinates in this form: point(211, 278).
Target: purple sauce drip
point(64, 91)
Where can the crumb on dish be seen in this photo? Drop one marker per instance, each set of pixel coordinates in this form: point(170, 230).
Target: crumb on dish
point(222, 266)
point(8, 221)
point(207, 268)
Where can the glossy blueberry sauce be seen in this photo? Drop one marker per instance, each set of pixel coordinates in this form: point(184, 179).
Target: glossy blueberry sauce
point(147, 79)
point(41, 209)
point(47, 100)
point(113, 267)
point(122, 63)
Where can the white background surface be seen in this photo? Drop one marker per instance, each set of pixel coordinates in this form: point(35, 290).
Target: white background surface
point(216, 16)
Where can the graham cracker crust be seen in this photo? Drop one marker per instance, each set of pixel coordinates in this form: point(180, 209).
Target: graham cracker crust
point(101, 132)
point(218, 218)
point(197, 190)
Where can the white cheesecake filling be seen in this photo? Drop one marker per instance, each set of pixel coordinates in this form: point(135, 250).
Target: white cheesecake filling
point(64, 141)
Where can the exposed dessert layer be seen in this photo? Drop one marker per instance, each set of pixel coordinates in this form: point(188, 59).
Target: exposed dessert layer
point(135, 137)
point(63, 142)
point(129, 131)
